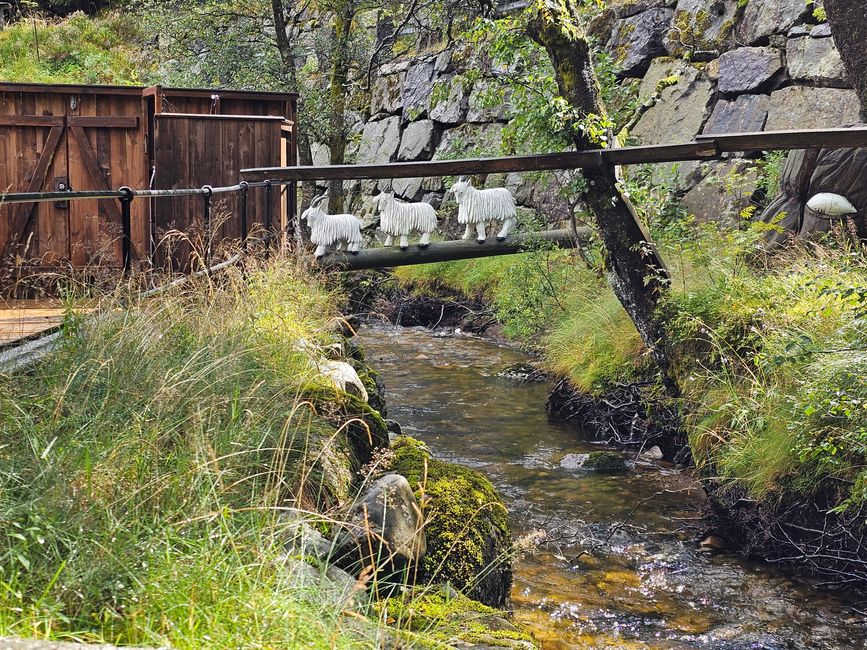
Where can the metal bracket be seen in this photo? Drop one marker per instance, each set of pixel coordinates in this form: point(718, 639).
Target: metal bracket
point(61, 184)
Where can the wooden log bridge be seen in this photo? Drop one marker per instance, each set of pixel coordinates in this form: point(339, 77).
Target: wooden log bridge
point(463, 249)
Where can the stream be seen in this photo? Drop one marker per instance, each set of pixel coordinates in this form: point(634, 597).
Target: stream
point(620, 566)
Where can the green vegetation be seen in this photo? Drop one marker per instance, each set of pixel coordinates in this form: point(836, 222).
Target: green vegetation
point(143, 467)
point(77, 50)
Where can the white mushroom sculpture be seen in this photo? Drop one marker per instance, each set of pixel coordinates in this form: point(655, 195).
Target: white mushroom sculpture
point(831, 205)
point(478, 207)
point(339, 230)
point(399, 219)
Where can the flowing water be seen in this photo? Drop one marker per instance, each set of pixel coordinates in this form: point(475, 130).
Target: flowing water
point(620, 567)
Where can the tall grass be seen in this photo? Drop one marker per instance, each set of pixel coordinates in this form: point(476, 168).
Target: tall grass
point(143, 467)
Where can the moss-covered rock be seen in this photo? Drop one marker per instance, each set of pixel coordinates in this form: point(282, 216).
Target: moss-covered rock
point(605, 462)
point(468, 536)
point(444, 616)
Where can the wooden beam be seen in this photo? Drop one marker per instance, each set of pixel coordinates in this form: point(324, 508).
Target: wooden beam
point(708, 147)
point(211, 116)
point(96, 173)
point(31, 120)
point(21, 213)
point(103, 122)
point(376, 258)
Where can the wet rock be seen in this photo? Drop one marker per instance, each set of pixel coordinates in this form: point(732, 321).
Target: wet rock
point(407, 188)
point(750, 70)
point(712, 544)
point(745, 114)
point(385, 95)
point(815, 61)
point(523, 372)
point(636, 40)
point(765, 18)
point(521, 186)
point(821, 31)
point(654, 453)
point(605, 462)
point(343, 376)
point(329, 582)
point(383, 527)
point(417, 88)
point(680, 112)
point(661, 68)
point(443, 62)
point(700, 25)
point(488, 102)
point(320, 153)
point(379, 141)
point(450, 101)
point(417, 141)
point(800, 107)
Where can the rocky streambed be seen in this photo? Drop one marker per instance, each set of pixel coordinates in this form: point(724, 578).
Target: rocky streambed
point(606, 560)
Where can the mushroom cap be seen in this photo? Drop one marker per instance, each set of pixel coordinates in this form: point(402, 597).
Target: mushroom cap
point(831, 205)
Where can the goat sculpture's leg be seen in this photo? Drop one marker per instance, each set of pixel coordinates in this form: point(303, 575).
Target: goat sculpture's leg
point(404, 242)
point(320, 251)
point(424, 241)
point(354, 247)
point(508, 224)
point(389, 240)
point(480, 232)
point(340, 245)
point(468, 232)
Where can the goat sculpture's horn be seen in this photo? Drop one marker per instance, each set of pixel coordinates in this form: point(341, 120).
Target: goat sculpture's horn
point(315, 202)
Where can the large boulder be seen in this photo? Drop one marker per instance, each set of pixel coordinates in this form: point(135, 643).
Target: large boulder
point(489, 102)
point(417, 88)
point(417, 141)
point(603, 462)
point(701, 25)
point(750, 70)
point(379, 141)
point(801, 107)
point(383, 528)
point(449, 101)
point(745, 114)
point(764, 18)
point(469, 543)
point(636, 40)
point(468, 140)
point(680, 112)
point(815, 61)
point(723, 194)
point(385, 95)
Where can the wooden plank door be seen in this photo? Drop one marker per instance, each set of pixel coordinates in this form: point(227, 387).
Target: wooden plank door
point(33, 158)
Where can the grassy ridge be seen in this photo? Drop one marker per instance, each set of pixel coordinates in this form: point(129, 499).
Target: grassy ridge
point(772, 354)
point(142, 468)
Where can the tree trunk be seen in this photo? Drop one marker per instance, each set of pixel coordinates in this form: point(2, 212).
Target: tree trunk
point(339, 90)
point(848, 20)
point(635, 270)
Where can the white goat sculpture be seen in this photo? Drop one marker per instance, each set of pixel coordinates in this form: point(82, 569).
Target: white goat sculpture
point(478, 207)
point(399, 219)
point(342, 230)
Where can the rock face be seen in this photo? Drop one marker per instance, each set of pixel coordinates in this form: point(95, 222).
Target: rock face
point(723, 194)
point(638, 39)
point(680, 112)
point(417, 88)
point(467, 526)
point(379, 141)
point(383, 528)
point(487, 103)
point(417, 141)
point(763, 19)
point(801, 107)
point(700, 25)
point(747, 113)
point(749, 70)
point(385, 95)
point(815, 61)
point(449, 102)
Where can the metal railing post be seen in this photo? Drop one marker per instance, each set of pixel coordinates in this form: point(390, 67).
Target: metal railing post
point(207, 193)
point(126, 197)
point(268, 205)
point(243, 208)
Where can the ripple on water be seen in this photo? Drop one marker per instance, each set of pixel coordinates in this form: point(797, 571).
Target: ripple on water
point(619, 568)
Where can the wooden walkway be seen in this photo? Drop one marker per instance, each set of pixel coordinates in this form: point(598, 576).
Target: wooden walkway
point(24, 319)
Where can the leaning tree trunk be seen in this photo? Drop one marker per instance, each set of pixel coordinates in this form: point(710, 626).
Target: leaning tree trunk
point(339, 91)
point(848, 20)
point(635, 270)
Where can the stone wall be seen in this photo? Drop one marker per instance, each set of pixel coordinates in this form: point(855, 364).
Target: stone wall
point(759, 65)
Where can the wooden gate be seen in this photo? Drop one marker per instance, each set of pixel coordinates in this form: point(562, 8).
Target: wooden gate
point(70, 138)
point(210, 150)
